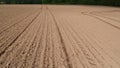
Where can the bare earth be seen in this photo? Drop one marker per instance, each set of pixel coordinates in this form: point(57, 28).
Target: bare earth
point(56, 36)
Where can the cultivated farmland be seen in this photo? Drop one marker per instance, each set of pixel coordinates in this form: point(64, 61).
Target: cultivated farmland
point(59, 36)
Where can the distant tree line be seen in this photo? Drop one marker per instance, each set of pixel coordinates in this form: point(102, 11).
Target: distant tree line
point(21, 1)
point(96, 2)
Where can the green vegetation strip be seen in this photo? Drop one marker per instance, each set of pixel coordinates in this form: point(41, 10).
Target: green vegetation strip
point(93, 2)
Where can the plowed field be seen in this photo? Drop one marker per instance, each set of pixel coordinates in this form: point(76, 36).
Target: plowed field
point(56, 36)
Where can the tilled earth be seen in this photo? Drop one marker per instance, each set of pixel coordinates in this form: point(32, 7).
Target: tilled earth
point(56, 36)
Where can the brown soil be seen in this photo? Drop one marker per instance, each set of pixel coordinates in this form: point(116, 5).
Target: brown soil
point(56, 36)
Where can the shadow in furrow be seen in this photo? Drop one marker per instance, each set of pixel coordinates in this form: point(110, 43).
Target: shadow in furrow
point(15, 23)
point(19, 35)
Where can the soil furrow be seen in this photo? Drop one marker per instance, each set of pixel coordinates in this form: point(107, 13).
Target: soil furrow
point(59, 36)
point(2, 52)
